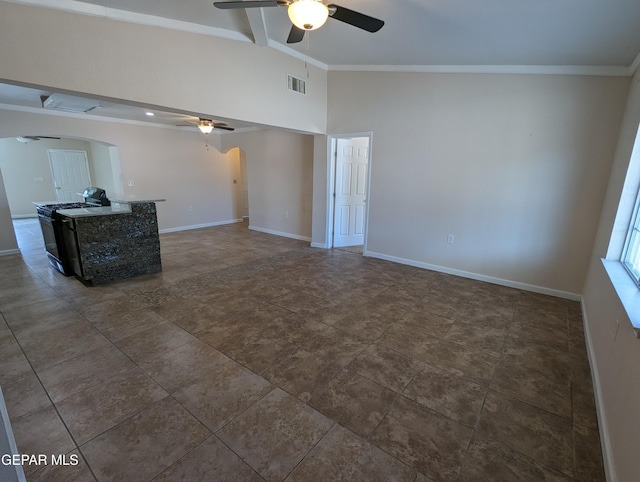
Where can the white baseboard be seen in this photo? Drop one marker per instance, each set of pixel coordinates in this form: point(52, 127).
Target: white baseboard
point(9, 252)
point(279, 233)
point(199, 226)
point(320, 245)
point(475, 276)
point(603, 426)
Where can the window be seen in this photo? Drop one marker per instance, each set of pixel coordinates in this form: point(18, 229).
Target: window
point(622, 262)
point(631, 253)
point(628, 220)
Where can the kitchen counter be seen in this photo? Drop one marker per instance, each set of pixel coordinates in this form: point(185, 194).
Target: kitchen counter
point(134, 201)
point(96, 211)
point(112, 242)
point(117, 207)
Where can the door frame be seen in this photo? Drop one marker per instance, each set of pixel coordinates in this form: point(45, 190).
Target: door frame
point(332, 143)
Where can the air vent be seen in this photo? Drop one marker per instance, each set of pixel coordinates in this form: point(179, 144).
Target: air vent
point(69, 103)
point(296, 84)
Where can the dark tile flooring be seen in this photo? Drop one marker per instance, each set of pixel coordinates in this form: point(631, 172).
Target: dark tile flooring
point(255, 357)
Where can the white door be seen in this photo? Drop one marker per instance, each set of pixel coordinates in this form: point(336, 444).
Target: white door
point(352, 162)
point(70, 170)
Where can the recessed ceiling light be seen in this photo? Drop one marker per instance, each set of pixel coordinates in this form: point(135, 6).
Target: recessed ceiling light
point(149, 113)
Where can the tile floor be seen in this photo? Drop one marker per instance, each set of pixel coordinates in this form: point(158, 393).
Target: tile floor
point(255, 357)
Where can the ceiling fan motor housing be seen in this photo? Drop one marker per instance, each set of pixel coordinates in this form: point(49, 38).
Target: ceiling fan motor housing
point(308, 14)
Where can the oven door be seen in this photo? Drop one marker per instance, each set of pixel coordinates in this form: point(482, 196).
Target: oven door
point(49, 235)
point(53, 243)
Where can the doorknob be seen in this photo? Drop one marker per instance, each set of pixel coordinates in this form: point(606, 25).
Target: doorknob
point(58, 187)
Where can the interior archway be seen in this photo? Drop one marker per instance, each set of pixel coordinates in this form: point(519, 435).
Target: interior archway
point(27, 176)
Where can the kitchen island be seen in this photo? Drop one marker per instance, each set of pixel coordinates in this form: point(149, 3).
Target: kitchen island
point(109, 243)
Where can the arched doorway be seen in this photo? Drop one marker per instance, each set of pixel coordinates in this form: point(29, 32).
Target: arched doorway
point(28, 178)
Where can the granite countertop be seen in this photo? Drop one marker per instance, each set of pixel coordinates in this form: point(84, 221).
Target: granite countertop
point(117, 207)
point(96, 211)
point(137, 201)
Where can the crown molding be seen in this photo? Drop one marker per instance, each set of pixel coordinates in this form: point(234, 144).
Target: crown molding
point(134, 17)
point(604, 71)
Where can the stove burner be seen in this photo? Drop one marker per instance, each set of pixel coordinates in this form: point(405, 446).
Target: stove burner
point(49, 209)
point(68, 205)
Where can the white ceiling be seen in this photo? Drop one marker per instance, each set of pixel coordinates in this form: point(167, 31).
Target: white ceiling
point(591, 33)
point(561, 36)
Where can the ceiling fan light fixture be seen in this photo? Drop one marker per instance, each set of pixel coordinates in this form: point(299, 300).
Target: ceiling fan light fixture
point(308, 14)
point(205, 126)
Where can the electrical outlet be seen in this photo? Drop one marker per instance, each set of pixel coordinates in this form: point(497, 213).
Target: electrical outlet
point(451, 239)
point(131, 183)
point(190, 209)
point(286, 214)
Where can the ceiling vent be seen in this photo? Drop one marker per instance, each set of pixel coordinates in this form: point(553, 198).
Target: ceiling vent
point(69, 103)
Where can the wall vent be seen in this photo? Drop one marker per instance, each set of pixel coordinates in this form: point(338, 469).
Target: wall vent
point(296, 84)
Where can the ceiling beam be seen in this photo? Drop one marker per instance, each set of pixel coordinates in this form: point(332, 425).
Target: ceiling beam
point(258, 27)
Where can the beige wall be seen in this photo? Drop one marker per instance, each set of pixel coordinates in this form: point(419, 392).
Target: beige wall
point(320, 186)
point(614, 349)
point(8, 244)
point(27, 172)
point(102, 169)
point(158, 67)
point(514, 166)
point(189, 169)
point(280, 175)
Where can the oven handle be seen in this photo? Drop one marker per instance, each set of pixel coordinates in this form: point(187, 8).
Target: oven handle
point(71, 225)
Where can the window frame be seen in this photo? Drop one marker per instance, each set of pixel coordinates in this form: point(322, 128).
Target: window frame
point(630, 257)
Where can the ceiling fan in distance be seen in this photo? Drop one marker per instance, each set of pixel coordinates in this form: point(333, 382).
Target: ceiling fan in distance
point(26, 139)
point(309, 15)
point(207, 125)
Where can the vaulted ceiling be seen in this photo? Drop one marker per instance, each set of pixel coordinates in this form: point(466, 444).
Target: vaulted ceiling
point(600, 37)
point(587, 33)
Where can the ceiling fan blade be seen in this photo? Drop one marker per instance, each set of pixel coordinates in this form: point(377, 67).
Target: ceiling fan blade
point(295, 35)
point(223, 127)
point(250, 4)
point(357, 19)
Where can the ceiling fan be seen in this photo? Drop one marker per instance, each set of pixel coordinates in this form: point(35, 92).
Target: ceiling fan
point(309, 15)
point(25, 139)
point(207, 125)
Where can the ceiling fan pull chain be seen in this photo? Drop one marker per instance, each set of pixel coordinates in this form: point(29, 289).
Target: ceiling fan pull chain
point(306, 53)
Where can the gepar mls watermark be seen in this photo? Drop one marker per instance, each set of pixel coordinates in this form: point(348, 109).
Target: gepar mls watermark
point(39, 459)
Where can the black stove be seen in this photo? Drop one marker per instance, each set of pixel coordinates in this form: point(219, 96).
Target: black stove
point(51, 224)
